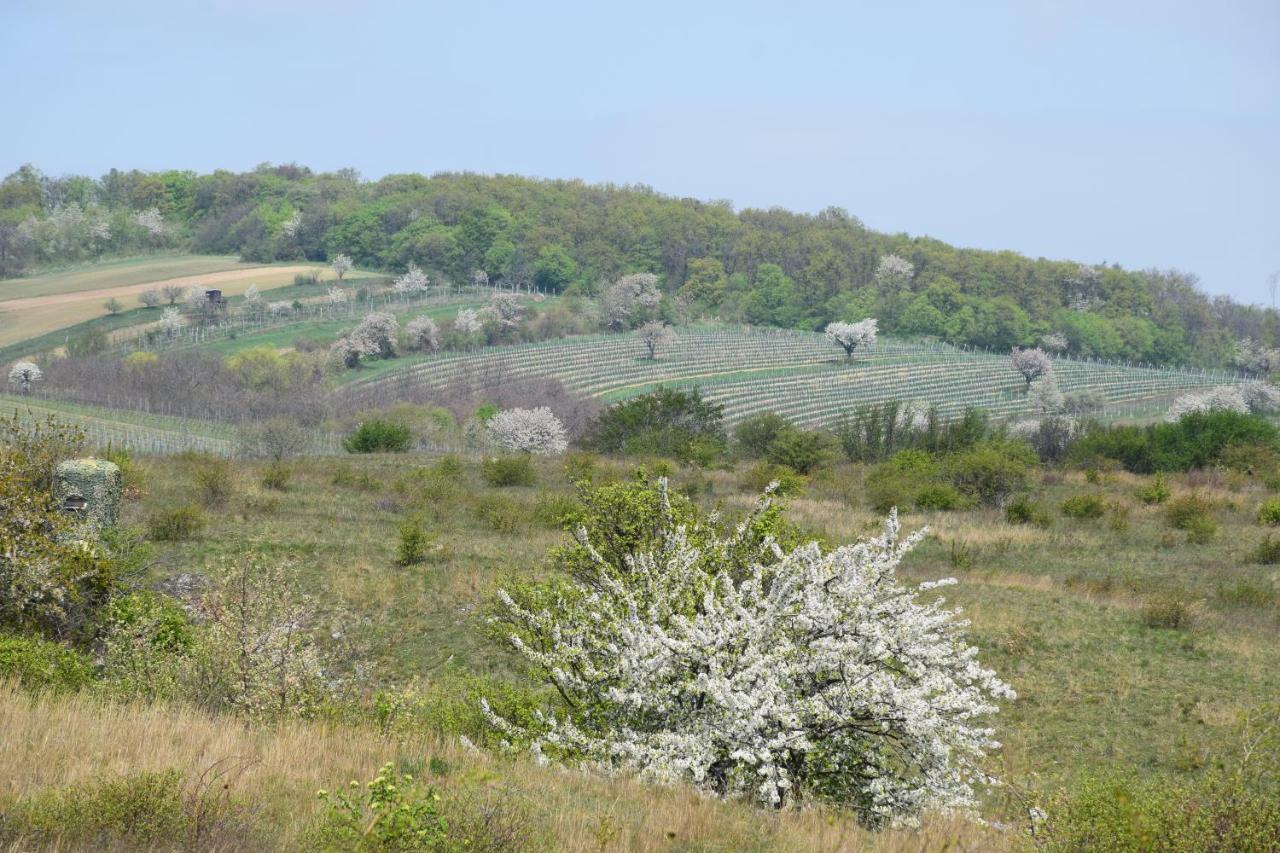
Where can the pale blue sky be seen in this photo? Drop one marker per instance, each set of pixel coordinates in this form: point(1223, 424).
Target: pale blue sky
point(1146, 133)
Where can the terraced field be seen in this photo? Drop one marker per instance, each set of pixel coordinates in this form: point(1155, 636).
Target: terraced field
point(797, 374)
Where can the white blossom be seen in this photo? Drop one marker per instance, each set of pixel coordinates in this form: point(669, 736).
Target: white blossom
point(468, 322)
point(171, 321)
point(1055, 342)
point(23, 374)
point(1044, 395)
point(1031, 363)
point(252, 297)
point(290, 226)
point(850, 336)
point(536, 431)
point(279, 309)
point(337, 296)
point(1247, 397)
point(151, 221)
point(196, 297)
point(655, 334)
point(765, 674)
point(629, 299)
point(480, 278)
point(412, 283)
point(894, 272)
point(100, 231)
point(423, 334)
point(341, 265)
point(506, 308)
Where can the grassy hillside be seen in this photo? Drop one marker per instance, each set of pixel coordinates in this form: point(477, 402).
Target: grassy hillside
point(797, 374)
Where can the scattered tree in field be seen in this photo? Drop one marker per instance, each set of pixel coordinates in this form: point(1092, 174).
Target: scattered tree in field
point(171, 293)
point(1044, 395)
point(506, 308)
point(850, 336)
point(375, 335)
point(536, 431)
point(277, 439)
point(24, 374)
point(718, 658)
point(341, 265)
point(171, 322)
point(423, 334)
point(253, 299)
point(630, 300)
point(655, 334)
point(468, 322)
point(113, 306)
point(337, 296)
point(149, 298)
point(1055, 342)
point(1031, 363)
point(413, 283)
point(894, 273)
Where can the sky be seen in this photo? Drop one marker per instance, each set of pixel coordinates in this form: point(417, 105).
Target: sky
point(1132, 132)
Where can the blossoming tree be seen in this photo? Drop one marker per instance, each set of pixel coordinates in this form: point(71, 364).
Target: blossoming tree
point(1032, 363)
point(341, 265)
point(24, 374)
point(413, 283)
point(655, 334)
point(423, 334)
point(720, 658)
point(629, 300)
point(536, 431)
point(850, 336)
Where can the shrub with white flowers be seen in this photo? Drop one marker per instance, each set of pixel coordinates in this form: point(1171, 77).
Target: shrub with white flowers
point(505, 308)
point(655, 334)
point(171, 322)
point(1245, 398)
point(24, 374)
point(468, 322)
point(1055, 342)
point(685, 652)
point(630, 300)
point(536, 431)
point(412, 283)
point(423, 334)
point(894, 272)
point(1031, 363)
point(374, 336)
point(341, 265)
point(337, 296)
point(279, 309)
point(850, 336)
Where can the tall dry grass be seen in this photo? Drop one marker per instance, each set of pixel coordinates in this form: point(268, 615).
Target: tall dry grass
point(50, 741)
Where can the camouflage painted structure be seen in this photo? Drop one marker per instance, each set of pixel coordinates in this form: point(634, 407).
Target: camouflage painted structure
point(89, 489)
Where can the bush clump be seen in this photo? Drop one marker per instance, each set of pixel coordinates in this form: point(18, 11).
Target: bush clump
point(991, 472)
point(940, 496)
point(1186, 512)
point(1267, 552)
point(39, 664)
point(176, 524)
point(415, 543)
point(509, 470)
point(1022, 510)
point(379, 436)
point(1269, 512)
point(1155, 492)
point(1168, 610)
point(1084, 506)
point(669, 423)
point(758, 477)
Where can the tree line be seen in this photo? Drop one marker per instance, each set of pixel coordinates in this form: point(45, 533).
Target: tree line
point(768, 267)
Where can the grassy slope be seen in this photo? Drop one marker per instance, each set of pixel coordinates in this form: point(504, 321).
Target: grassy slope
point(117, 273)
point(1056, 611)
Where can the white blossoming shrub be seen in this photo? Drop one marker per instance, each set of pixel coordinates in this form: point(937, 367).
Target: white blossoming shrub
point(655, 334)
point(171, 322)
point(24, 374)
point(1031, 363)
point(630, 300)
point(748, 669)
point(468, 322)
point(850, 336)
point(423, 334)
point(1245, 398)
point(337, 296)
point(536, 431)
point(412, 283)
point(341, 265)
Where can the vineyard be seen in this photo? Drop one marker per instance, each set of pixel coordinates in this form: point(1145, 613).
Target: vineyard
point(799, 375)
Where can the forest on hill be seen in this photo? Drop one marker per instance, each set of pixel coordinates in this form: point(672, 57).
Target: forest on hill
point(765, 267)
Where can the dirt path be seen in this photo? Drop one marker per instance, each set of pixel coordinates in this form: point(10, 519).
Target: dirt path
point(184, 281)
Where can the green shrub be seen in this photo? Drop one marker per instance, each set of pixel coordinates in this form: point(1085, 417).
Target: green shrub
point(379, 436)
point(1269, 512)
point(1201, 530)
point(993, 471)
point(390, 813)
point(1168, 610)
point(501, 513)
point(556, 511)
point(176, 524)
point(1022, 510)
point(449, 467)
point(752, 436)
point(509, 470)
point(1155, 492)
point(801, 450)
point(1247, 592)
point(1182, 513)
point(1256, 460)
point(1084, 506)
point(1197, 440)
point(1117, 515)
point(758, 477)
point(939, 496)
point(415, 543)
point(168, 628)
point(580, 467)
point(1267, 552)
point(36, 663)
point(668, 423)
point(215, 480)
point(276, 476)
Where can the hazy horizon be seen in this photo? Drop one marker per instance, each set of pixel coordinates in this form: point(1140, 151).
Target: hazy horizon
point(1144, 136)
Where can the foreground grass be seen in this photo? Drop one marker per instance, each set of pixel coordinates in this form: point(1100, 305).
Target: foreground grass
point(273, 775)
point(1061, 613)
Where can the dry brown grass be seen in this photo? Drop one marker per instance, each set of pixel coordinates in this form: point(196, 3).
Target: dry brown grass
point(54, 741)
